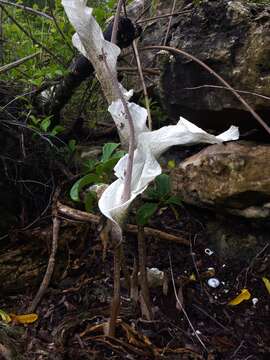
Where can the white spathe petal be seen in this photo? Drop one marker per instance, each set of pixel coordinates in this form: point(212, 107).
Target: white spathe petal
point(89, 39)
point(139, 117)
point(151, 144)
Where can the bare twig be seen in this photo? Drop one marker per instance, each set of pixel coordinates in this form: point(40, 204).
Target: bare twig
point(148, 71)
point(116, 21)
point(145, 294)
point(163, 16)
point(169, 24)
point(133, 229)
point(225, 88)
point(59, 29)
point(17, 63)
point(182, 308)
point(26, 8)
point(31, 37)
point(147, 102)
point(115, 305)
point(211, 71)
point(50, 267)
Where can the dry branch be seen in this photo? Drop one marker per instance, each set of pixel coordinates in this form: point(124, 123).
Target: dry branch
point(132, 229)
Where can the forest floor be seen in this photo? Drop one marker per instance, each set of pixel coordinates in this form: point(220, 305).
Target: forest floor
point(74, 312)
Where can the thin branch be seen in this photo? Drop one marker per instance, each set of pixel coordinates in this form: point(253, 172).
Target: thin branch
point(115, 305)
point(116, 22)
point(149, 71)
point(147, 102)
point(225, 88)
point(59, 29)
point(182, 308)
point(169, 24)
point(211, 71)
point(31, 37)
point(26, 8)
point(17, 63)
point(133, 229)
point(163, 16)
point(145, 294)
point(50, 267)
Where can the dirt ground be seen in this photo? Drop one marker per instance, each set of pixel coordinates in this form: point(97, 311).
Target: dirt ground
point(73, 314)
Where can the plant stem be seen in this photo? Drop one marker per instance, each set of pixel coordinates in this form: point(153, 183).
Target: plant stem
point(147, 309)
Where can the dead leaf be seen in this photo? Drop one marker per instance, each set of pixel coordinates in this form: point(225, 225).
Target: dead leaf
point(24, 319)
point(244, 295)
point(4, 317)
point(266, 283)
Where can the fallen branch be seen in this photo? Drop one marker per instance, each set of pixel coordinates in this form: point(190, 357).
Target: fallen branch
point(225, 88)
point(83, 216)
point(26, 8)
point(211, 71)
point(50, 267)
point(146, 97)
point(17, 63)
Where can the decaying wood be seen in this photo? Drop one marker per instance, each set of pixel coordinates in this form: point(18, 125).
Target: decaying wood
point(133, 229)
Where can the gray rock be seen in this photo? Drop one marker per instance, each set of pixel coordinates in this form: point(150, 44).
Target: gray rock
point(230, 36)
point(232, 177)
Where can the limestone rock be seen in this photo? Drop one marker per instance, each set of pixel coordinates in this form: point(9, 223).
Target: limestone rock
point(233, 177)
point(233, 38)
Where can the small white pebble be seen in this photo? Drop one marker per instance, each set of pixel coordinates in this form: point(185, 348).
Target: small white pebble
point(213, 282)
point(208, 252)
point(254, 301)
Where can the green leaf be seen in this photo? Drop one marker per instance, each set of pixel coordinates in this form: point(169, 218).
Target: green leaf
point(45, 123)
point(106, 168)
point(174, 200)
point(79, 184)
point(72, 145)
point(145, 212)
point(57, 130)
point(108, 150)
point(163, 186)
point(34, 120)
point(90, 200)
point(152, 194)
point(89, 165)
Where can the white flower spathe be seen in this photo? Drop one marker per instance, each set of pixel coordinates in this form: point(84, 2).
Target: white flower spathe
point(150, 145)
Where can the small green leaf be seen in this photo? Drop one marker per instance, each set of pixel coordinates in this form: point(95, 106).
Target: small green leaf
point(152, 194)
point(105, 168)
point(174, 200)
point(79, 184)
point(145, 212)
point(108, 150)
point(57, 130)
point(90, 200)
point(34, 120)
point(89, 165)
point(163, 186)
point(72, 145)
point(45, 124)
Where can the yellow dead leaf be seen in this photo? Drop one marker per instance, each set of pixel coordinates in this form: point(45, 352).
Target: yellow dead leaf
point(266, 283)
point(192, 277)
point(244, 295)
point(4, 316)
point(24, 319)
